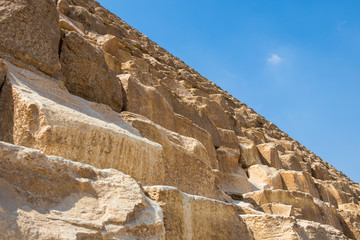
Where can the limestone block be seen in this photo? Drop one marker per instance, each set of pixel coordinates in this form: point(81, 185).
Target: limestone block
point(148, 102)
point(3, 72)
point(228, 159)
point(325, 194)
point(333, 193)
point(278, 209)
point(45, 197)
point(187, 128)
point(299, 181)
point(291, 161)
point(191, 110)
point(235, 184)
point(91, 22)
point(287, 145)
point(281, 227)
point(350, 214)
point(40, 113)
point(264, 177)
point(187, 165)
point(270, 154)
point(229, 138)
point(220, 99)
point(319, 171)
point(115, 51)
point(249, 153)
point(193, 217)
point(87, 74)
point(29, 30)
point(233, 177)
point(216, 113)
point(70, 25)
point(304, 205)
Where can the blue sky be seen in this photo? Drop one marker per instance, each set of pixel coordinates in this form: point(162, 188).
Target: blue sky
point(297, 63)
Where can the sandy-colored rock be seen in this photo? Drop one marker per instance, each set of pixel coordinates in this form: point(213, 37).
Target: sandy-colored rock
point(187, 165)
point(304, 205)
point(187, 128)
point(278, 209)
point(229, 138)
point(147, 101)
point(319, 171)
point(350, 214)
point(91, 22)
point(42, 114)
point(264, 177)
point(29, 30)
point(199, 139)
point(229, 160)
point(336, 193)
point(68, 24)
point(116, 52)
point(299, 181)
point(280, 227)
point(3, 72)
point(270, 154)
point(86, 72)
point(193, 217)
point(291, 161)
point(191, 110)
point(216, 113)
point(249, 153)
point(46, 197)
point(233, 178)
point(325, 194)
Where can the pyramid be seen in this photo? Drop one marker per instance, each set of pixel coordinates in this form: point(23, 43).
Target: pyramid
point(106, 135)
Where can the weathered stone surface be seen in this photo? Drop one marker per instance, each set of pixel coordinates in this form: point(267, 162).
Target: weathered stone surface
point(193, 217)
point(270, 154)
point(249, 153)
point(68, 24)
point(147, 102)
point(86, 72)
point(200, 139)
point(278, 209)
point(45, 197)
point(350, 214)
point(115, 51)
point(3, 72)
point(187, 165)
point(291, 161)
point(319, 171)
point(264, 177)
point(304, 205)
point(233, 177)
point(47, 117)
point(280, 227)
point(90, 21)
point(191, 110)
point(29, 30)
point(216, 113)
point(187, 128)
point(299, 181)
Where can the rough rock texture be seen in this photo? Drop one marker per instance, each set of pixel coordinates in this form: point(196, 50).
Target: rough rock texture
point(46, 197)
point(77, 82)
point(193, 173)
point(45, 116)
point(29, 30)
point(279, 228)
point(193, 217)
point(86, 73)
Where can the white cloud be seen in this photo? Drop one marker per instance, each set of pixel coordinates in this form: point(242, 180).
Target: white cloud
point(274, 59)
point(341, 25)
